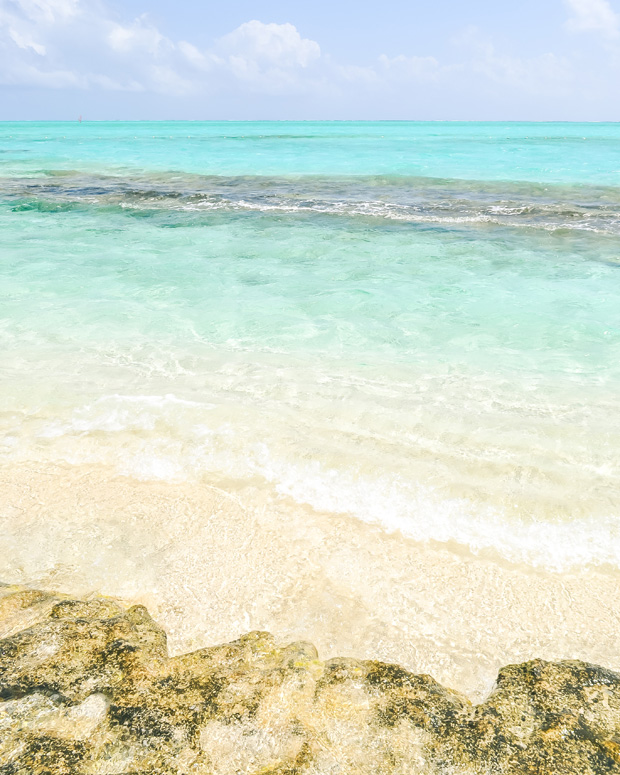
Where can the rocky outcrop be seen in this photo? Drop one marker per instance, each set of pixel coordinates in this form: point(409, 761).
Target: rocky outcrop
point(87, 688)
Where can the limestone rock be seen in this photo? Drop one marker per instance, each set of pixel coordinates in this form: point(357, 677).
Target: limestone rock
point(87, 688)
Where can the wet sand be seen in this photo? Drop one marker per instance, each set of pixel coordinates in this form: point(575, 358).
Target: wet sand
point(215, 560)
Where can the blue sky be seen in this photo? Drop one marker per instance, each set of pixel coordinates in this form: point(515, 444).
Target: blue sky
point(106, 59)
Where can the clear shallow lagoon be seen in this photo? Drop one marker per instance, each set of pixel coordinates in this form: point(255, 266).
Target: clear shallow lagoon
point(416, 325)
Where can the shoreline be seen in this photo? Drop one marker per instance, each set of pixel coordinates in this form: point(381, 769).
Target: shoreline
point(211, 564)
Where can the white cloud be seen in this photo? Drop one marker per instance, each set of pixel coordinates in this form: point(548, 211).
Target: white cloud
point(24, 42)
point(48, 11)
point(545, 73)
point(138, 36)
point(193, 55)
point(80, 43)
point(593, 16)
point(410, 68)
point(278, 45)
point(358, 75)
point(269, 58)
point(49, 79)
point(536, 75)
point(84, 44)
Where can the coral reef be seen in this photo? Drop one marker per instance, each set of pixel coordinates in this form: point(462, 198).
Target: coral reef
point(87, 688)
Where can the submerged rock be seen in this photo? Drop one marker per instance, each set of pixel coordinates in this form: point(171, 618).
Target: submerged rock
point(87, 688)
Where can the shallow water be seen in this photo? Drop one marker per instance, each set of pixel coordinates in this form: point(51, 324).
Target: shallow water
point(415, 326)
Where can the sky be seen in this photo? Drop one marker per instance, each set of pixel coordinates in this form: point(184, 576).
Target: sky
point(327, 59)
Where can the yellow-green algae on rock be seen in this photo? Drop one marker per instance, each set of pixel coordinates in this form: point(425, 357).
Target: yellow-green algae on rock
point(87, 688)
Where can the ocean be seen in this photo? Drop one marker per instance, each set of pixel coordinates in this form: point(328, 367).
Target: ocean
point(352, 381)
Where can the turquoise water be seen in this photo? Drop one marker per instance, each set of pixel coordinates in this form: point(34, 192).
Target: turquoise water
point(534, 152)
point(414, 323)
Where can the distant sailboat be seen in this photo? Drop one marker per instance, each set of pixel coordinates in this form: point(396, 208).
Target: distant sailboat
point(80, 119)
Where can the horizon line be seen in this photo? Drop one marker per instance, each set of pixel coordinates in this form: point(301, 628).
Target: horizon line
point(305, 121)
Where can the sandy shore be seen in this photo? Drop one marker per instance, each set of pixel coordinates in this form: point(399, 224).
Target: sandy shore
point(213, 562)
